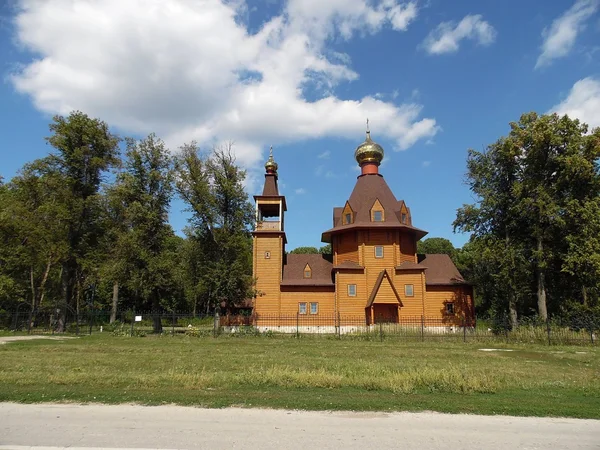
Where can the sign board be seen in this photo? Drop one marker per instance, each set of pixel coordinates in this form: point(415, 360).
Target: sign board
point(138, 318)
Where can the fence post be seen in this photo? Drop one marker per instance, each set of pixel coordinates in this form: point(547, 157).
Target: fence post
point(464, 325)
point(132, 321)
point(91, 320)
point(422, 328)
point(76, 320)
point(216, 323)
point(173, 324)
point(380, 329)
point(592, 334)
point(339, 325)
point(297, 325)
point(548, 330)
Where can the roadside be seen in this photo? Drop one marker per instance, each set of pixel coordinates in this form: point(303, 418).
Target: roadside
point(176, 427)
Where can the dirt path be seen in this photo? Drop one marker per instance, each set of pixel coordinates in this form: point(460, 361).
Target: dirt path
point(6, 339)
point(175, 427)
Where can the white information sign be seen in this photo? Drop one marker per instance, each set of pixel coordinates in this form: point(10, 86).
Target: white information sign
point(138, 318)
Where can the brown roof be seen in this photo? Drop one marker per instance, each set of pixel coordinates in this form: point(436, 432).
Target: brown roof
point(383, 274)
point(440, 270)
point(409, 265)
point(270, 189)
point(349, 265)
point(367, 190)
point(320, 266)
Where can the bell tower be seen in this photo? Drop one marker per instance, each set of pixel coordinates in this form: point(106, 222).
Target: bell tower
point(269, 243)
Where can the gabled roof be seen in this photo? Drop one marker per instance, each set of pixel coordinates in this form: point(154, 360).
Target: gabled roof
point(320, 265)
point(440, 270)
point(382, 275)
point(367, 190)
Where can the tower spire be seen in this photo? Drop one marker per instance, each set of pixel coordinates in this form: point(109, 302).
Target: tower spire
point(271, 165)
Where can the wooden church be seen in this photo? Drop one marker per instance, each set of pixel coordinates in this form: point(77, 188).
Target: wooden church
point(374, 274)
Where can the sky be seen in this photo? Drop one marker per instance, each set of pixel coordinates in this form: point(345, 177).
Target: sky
point(433, 77)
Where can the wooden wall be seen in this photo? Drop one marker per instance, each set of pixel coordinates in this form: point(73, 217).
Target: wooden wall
point(292, 295)
point(267, 272)
point(436, 298)
point(351, 306)
point(413, 306)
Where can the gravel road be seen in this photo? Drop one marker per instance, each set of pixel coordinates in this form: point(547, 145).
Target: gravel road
point(54, 426)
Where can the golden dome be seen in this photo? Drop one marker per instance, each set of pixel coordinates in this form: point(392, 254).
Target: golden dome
point(271, 165)
point(369, 152)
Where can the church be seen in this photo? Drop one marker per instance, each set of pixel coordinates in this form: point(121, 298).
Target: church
point(374, 274)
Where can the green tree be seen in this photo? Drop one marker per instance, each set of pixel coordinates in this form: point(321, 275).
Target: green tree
point(84, 150)
point(143, 192)
point(530, 185)
point(219, 230)
point(436, 245)
point(305, 251)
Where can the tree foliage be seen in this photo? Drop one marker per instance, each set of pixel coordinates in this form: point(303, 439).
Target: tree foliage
point(533, 225)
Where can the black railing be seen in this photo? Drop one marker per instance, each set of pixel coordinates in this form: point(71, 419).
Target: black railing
point(578, 330)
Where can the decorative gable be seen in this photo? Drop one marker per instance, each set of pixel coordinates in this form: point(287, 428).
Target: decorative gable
point(377, 212)
point(404, 214)
point(307, 271)
point(347, 214)
point(384, 291)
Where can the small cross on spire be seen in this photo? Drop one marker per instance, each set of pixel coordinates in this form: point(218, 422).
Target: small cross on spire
point(368, 125)
point(271, 152)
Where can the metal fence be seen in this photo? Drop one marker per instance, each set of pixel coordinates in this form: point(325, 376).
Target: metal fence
point(574, 330)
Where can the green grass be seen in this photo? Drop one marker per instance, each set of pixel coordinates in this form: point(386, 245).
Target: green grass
point(311, 374)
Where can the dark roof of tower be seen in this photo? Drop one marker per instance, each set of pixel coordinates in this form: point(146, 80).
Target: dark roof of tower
point(368, 189)
point(440, 270)
point(270, 189)
point(320, 266)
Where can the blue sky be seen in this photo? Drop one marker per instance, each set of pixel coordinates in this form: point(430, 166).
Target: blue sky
point(434, 77)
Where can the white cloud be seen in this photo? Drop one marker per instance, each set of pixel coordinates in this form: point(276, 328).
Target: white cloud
point(447, 36)
point(191, 69)
point(426, 163)
point(560, 38)
point(325, 155)
point(300, 191)
point(583, 102)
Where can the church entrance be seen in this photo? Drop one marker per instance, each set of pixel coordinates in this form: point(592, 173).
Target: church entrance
point(385, 312)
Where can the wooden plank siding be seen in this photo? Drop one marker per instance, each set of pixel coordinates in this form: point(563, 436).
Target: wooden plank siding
point(347, 305)
point(413, 306)
point(436, 298)
point(408, 248)
point(267, 272)
point(291, 296)
point(346, 247)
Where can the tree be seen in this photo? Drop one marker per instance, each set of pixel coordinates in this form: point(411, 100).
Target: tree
point(436, 245)
point(530, 185)
point(305, 251)
point(143, 192)
point(212, 188)
point(326, 250)
point(85, 150)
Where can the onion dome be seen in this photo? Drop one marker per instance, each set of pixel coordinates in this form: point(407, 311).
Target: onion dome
point(271, 165)
point(369, 151)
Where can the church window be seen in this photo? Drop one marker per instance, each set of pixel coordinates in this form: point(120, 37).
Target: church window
point(314, 308)
point(377, 216)
point(379, 251)
point(302, 308)
point(450, 308)
point(351, 290)
point(409, 290)
point(307, 272)
point(404, 218)
point(348, 218)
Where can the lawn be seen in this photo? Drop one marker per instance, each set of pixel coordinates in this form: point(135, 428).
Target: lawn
point(307, 373)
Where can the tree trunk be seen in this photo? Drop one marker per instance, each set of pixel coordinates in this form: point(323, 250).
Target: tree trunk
point(115, 302)
point(156, 319)
point(512, 311)
point(541, 284)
